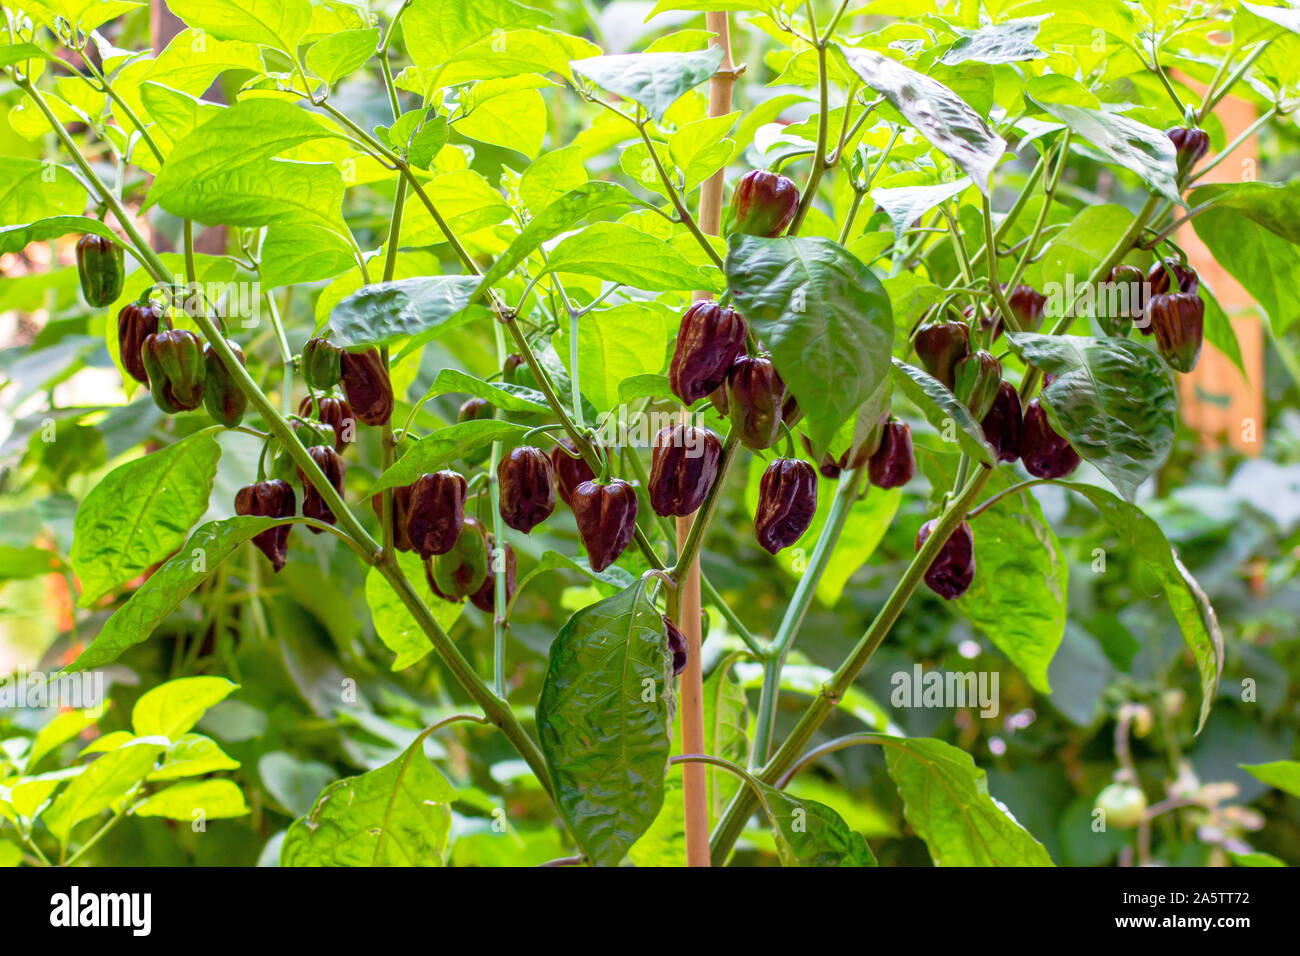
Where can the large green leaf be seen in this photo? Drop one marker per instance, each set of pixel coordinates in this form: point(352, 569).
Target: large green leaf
point(1275, 206)
point(274, 23)
point(339, 54)
point(1258, 257)
point(1018, 595)
point(436, 31)
point(171, 709)
point(1283, 774)
point(825, 317)
point(1007, 42)
point(1141, 537)
point(420, 308)
point(617, 344)
point(150, 605)
point(943, 411)
point(140, 513)
point(603, 719)
point(655, 80)
point(937, 113)
point(31, 190)
point(394, 623)
point(504, 395)
point(396, 815)
point(906, 204)
point(617, 252)
point(15, 238)
point(103, 783)
point(1114, 399)
point(946, 800)
point(809, 833)
point(437, 449)
point(194, 800)
point(726, 733)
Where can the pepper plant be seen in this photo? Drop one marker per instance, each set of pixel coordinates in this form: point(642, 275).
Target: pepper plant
point(464, 293)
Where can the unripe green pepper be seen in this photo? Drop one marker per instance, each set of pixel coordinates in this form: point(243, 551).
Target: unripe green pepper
point(222, 396)
point(977, 378)
point(322, 364)
point(462, 570)
point(100, 267)
point(940, 346)
point(173, 360)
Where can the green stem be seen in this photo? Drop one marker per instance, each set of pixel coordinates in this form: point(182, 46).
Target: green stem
point(683, 213)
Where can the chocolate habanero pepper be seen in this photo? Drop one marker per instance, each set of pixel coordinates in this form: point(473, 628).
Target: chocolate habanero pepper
point(764, 203)
point(436, 512)
point(569, 471)
point(977, 378)
point(485, 597)
point(606, 517)
point(1045, 453)
point(677, 646)
point(1178, 321)
point(174, 361)
point(1190, 144)
point(313, 505)
point(135, 323)
point(473, 410)
point(953, 568)
point(1028, 305)
point(101, 270)
point(755, 394)
point(334, 412)
point(401, 510)
point(322, 364)
point(1122, 301)
point(1003, 422)
point(527, 495)
point(893, 464)
point(940, 346)
point(222, 396)
point(461, 571)
point(787, 501)
point(367, 386)
point(269, 499)
point(683, 467)
point(709, 339)
point(1158, 277)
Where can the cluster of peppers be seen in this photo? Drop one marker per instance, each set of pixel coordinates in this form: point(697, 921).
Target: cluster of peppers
point(1169, 305)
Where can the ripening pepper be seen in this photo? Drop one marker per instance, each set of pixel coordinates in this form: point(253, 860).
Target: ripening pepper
point(135, 323)
point(764, 203)
point(173, 359)
point(683, 467)
point(511, 367)
point(709, 339)
point(101, 269)
point(322, 364)
point(677, 646)
point(1190, 144)
point(569, 471)
point(525, 479)
point(313, 505)
point(1028, 305)
point(1045, 453)
point(474, 409)
point(606, 517)
point(755, 394)
point(953, 568)
point(485, 597)
point(334, 412)
point(401, 510)
point(1186, 277)
point(940, 346)
point(893, 464)
point(1178, 321)
point(977, 378)
point(436, 512)
point(1123, 301)
point(269, 499)
point(222, 396)
point(787, 501)
point(461, 571)
point(1003, 422)
point(366, 384)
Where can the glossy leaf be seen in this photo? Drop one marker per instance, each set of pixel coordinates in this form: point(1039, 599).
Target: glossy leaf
point(420, 309)
point(1007, 42)
point(171, 709)
point(31, 190)
point(905, 204)
point(438, 449)
point(943, 411)
point(394, 623)
point(655, 80)
point(1258, 257)
point(1283, 774)
point(16, 238)
point(192, 755)
point(809, 833)
point(617, 252)
point(503, 395)
point(340, 54)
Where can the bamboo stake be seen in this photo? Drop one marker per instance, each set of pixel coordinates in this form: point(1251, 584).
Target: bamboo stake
point(694, 784)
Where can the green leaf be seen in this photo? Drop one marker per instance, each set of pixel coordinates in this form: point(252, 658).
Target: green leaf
point(104, 782)
point(1018, 595)
point(1075, 251)
point(513, 53)
point(655, 80)
point(621, 253)
point(18, 52)
point(396, 815)
point(16, 238)
point(603, 719)
point(421, 308)
point(171, 709)
point(140, 513)
point(1283, 774)
point(809, 833)
point(825, 317)
point(341, 54)
point(946, 800)
point(905, 204)
point(514, 120)
point(195, 800)
point(1007, 42)
point(937, 113)
point(942, 410)
point(1114, 399)
point(1141, 537)
point(438, 449)
point(617, 344)
point(504, 395)
point(726, 734)
point(154, 600)
point(1258, 257)
point(62, 728)
point(31, 190)
point(1275, 206)
point(555, 173)
point(274, 23)
point(427, 142)
point(610, 581)
point(305, 253)
point(1135, 146)
point(192, 755)
point(436, 32)
point(394, 623)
